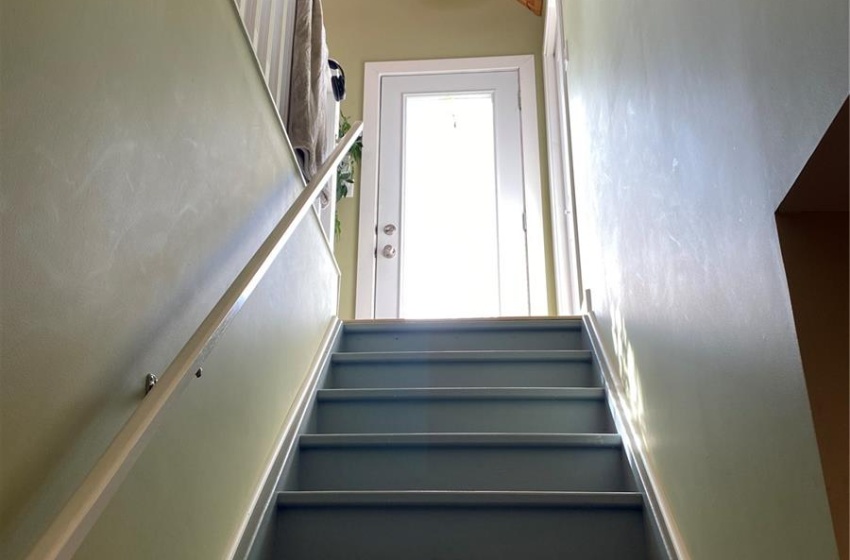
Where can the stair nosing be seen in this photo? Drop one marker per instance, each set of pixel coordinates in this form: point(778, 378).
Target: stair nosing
point(459, 440)
point(464, 356)
point(463, 393)
point(460, 498)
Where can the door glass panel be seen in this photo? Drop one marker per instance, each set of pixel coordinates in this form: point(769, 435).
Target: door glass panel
point(449, 254)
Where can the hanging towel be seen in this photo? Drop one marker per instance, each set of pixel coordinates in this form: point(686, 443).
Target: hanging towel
point(308, 91)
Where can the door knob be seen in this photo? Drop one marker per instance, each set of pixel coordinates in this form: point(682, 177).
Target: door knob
point(389, 229)
point(389, 251)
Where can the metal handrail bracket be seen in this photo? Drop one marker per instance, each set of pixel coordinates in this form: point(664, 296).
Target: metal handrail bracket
point(79, 514)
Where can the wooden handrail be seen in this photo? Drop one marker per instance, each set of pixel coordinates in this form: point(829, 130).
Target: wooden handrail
point(79, 514)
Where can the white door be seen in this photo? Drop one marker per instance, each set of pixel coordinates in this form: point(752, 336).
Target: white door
point(451, 238)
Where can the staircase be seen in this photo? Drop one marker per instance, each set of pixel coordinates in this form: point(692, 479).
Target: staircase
point(460, 440)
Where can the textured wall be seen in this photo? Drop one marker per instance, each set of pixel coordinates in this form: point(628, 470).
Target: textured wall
point(690, 122)
point(361, 31)
point(142, 165)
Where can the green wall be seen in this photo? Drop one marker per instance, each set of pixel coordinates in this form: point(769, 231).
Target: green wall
point(691, 120)
point(361, 31)
point(142, 164)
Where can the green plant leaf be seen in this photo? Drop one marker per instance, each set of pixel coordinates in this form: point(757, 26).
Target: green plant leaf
point(346, 170)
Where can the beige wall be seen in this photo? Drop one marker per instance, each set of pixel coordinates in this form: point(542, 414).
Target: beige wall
point(142, 165)
point(361, 31)
point(691, 120)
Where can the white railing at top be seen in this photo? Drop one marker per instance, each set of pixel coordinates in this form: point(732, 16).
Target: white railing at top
point(268, 26)
point(79, 514)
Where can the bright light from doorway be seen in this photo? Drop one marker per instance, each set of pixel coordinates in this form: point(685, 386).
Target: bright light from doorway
point(449, 254)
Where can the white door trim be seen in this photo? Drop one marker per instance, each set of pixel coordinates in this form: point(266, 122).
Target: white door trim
point(366, 241)
point(565, 250)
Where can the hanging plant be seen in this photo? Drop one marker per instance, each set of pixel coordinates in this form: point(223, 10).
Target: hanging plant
point(346, 170)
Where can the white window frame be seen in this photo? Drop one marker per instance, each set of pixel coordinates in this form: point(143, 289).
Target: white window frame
point(366, 240)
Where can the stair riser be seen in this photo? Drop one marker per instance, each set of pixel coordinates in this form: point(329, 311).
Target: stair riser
point(567, 339)
point(467, 533)
point(459, 374)
point(581, 469)
point(478, 415)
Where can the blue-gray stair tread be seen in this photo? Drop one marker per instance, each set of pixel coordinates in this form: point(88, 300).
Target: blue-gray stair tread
point(458, 368)
point(464, 393)
point(460, 526)
point(464, 462)
point(500, 410)
point(441, 498)
point(402, 325)
point(464, 356)
point(537, 334)
point(465, 440)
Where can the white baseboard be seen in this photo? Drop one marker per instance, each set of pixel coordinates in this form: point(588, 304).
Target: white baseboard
point(263, 501)
point(669, 544)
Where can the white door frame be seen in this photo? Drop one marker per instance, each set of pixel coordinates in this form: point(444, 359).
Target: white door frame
point(366, 241)
point(565, 248)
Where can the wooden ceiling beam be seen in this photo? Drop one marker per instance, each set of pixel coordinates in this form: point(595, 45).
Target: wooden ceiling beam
point(535, 6)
